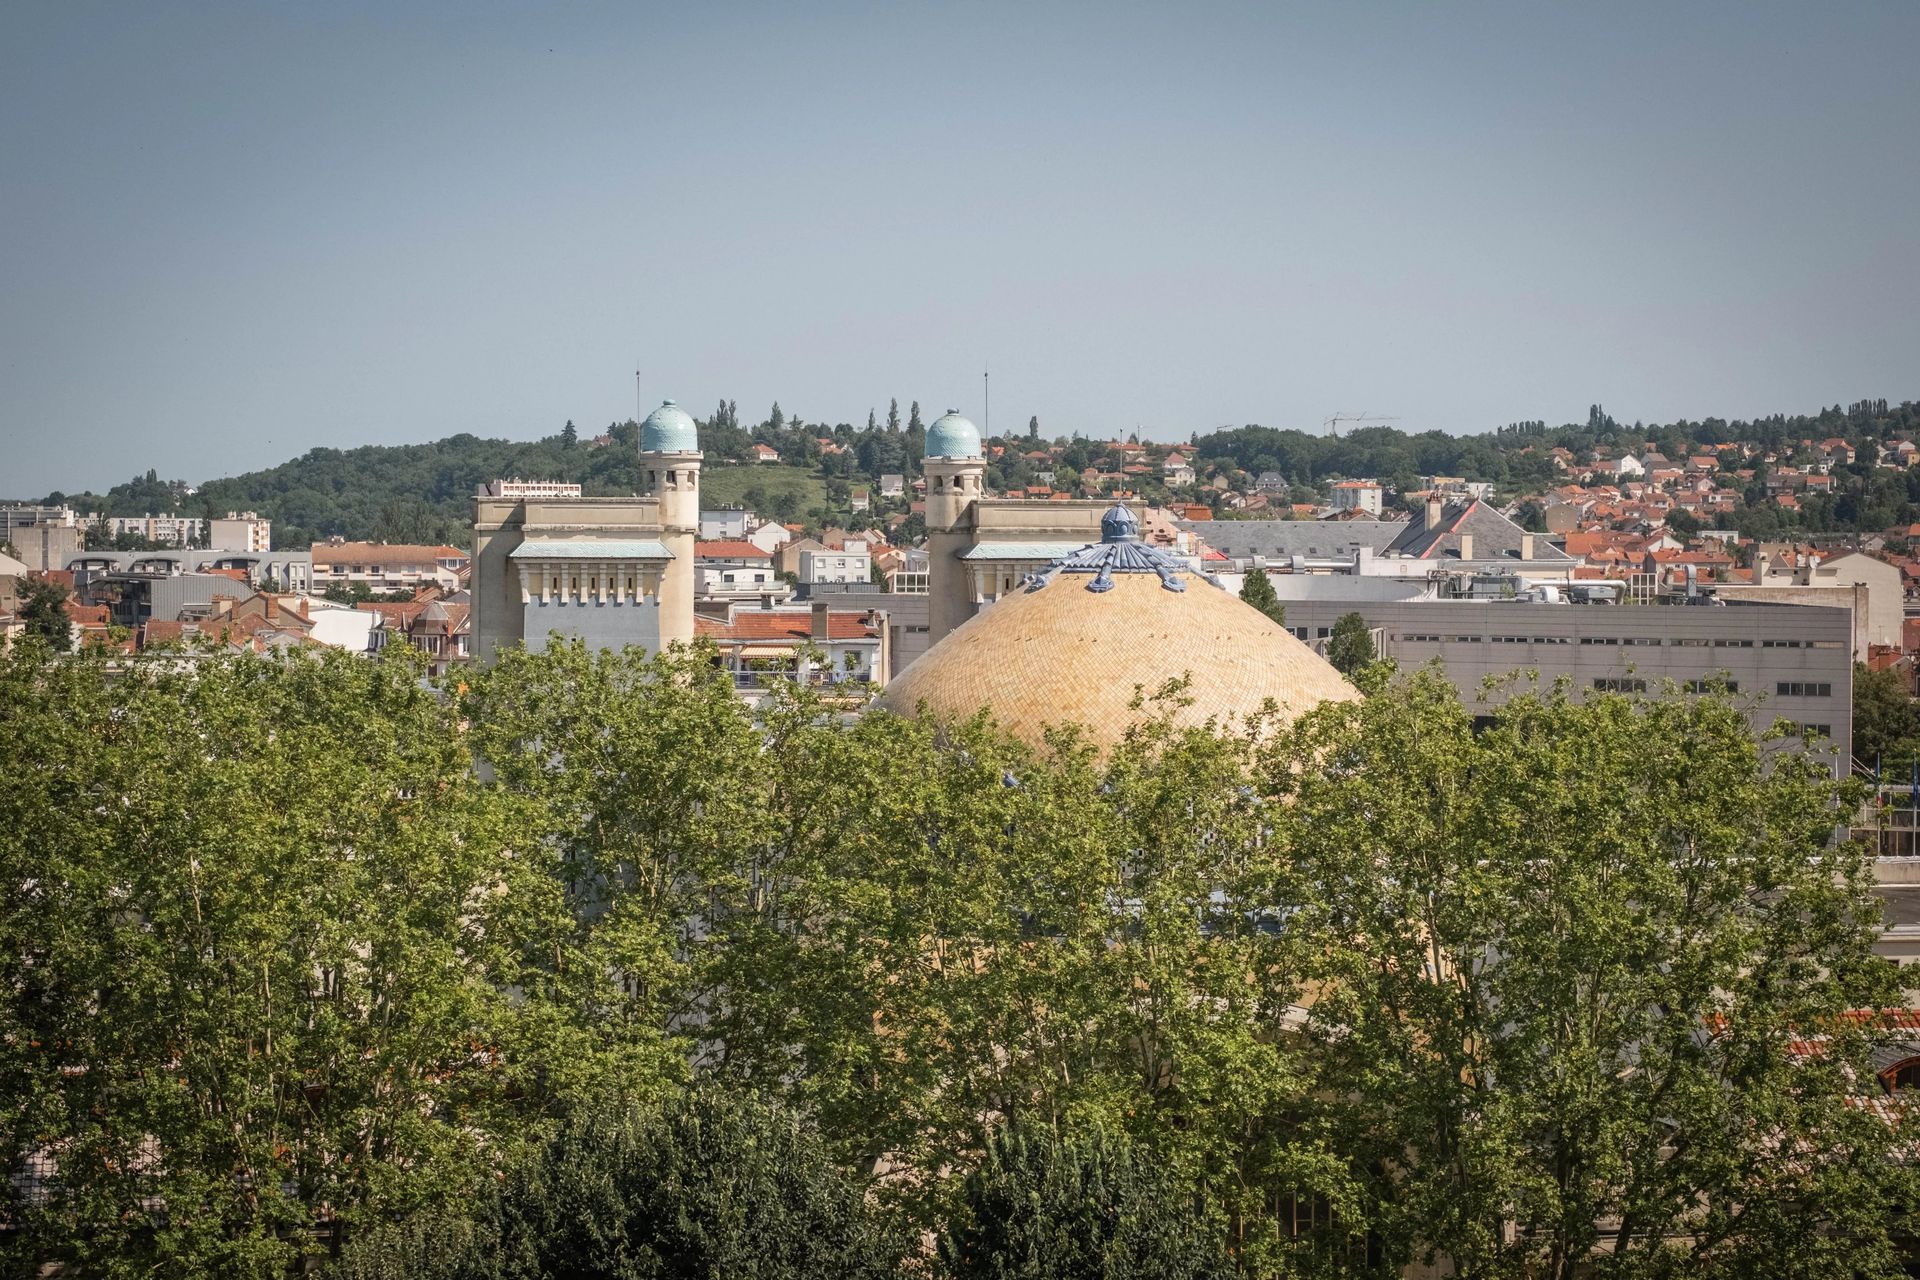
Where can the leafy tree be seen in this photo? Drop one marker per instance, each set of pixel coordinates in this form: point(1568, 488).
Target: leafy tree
point(1086, 1206)
point(1350, 647)
point(1591, 978)
point(776, 420)
point(701, 1187)
point(43, 610)
point(1886, 722)
point(99, 534)
point(1684, 524)
point(569, 434)
point(300, 956)
point(893, 417)
point(1257, 590)
point(1033, 427)
point(913, 418)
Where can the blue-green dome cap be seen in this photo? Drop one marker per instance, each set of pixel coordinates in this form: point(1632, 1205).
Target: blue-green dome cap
point(669, 429)
point(952, 436)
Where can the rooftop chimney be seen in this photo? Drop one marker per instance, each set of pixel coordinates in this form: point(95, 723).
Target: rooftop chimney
point(1526, 546)
point(1434, 507)
point(818, 630)
point(1466, 546)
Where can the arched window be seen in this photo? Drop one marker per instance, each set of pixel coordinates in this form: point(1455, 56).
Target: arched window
point(1902, 1075)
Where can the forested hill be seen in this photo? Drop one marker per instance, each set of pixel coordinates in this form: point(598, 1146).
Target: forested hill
point(423, 492)
point(397, 493)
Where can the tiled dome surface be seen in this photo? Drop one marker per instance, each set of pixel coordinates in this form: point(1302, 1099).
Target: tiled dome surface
point(1064, 654)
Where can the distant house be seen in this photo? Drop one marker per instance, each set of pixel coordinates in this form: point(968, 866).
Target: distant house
point(763, 453)
point(892, 484)
point(734, 568)
point(860, 498)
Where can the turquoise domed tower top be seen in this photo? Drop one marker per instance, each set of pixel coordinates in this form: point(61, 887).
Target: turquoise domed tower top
point(952, 436)
point(669, 429)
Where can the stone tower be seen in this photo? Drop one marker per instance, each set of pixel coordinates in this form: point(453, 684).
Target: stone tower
point(670, 472)
point(956, 470)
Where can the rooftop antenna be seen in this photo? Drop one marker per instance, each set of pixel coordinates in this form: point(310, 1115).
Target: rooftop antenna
point(986, 404)
point(639, 400)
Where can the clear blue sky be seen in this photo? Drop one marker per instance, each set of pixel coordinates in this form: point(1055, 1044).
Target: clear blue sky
point(231, 232)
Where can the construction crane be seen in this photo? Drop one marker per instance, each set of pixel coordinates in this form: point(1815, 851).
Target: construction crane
point(1332, 424)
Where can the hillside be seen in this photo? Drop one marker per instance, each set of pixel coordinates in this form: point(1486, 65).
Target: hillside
point(423, 492)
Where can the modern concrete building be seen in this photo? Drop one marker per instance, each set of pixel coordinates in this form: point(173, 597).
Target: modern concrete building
point(240, 531)
point(1794, 662)
point(46, 546)
point(275, 570)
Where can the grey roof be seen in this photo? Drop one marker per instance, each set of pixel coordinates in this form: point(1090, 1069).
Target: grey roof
point(1494, 536)
point(1020, 550)
point(1284, 539)
point(588, 549)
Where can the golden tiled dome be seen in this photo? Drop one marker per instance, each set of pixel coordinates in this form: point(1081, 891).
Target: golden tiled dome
point(1075, 648)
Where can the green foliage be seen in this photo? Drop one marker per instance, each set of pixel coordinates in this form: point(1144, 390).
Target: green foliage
point(1257, 590)
point(270, 945)
point(1089, 1206)
point(298, 932)
point(43, 611)
point(1350, 647)
point(1569, 959)
point(700, 1187)
point(800, 489)
point(1886, 722)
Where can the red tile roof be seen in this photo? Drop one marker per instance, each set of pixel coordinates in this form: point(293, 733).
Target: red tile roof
point(785, 626)
point(729, 549)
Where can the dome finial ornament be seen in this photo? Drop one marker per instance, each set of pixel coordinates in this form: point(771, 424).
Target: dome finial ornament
point(1119, 524)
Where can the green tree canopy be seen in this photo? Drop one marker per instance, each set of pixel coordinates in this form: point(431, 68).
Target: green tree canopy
point(697, 1188)
point(1351, 646)
point(1087, 1206)
point(43, 610)
point(1257, 590)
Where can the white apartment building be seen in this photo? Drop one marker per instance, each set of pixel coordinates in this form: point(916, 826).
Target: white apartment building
point(172, 529)
point(517, 488)
point(724, 524)
point(852, 563)
point(240, 531)
point(1357, 495)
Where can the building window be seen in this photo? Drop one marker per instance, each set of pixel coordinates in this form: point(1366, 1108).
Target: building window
point(1713, 686)
point(1803, 689)
point(1620, 684)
